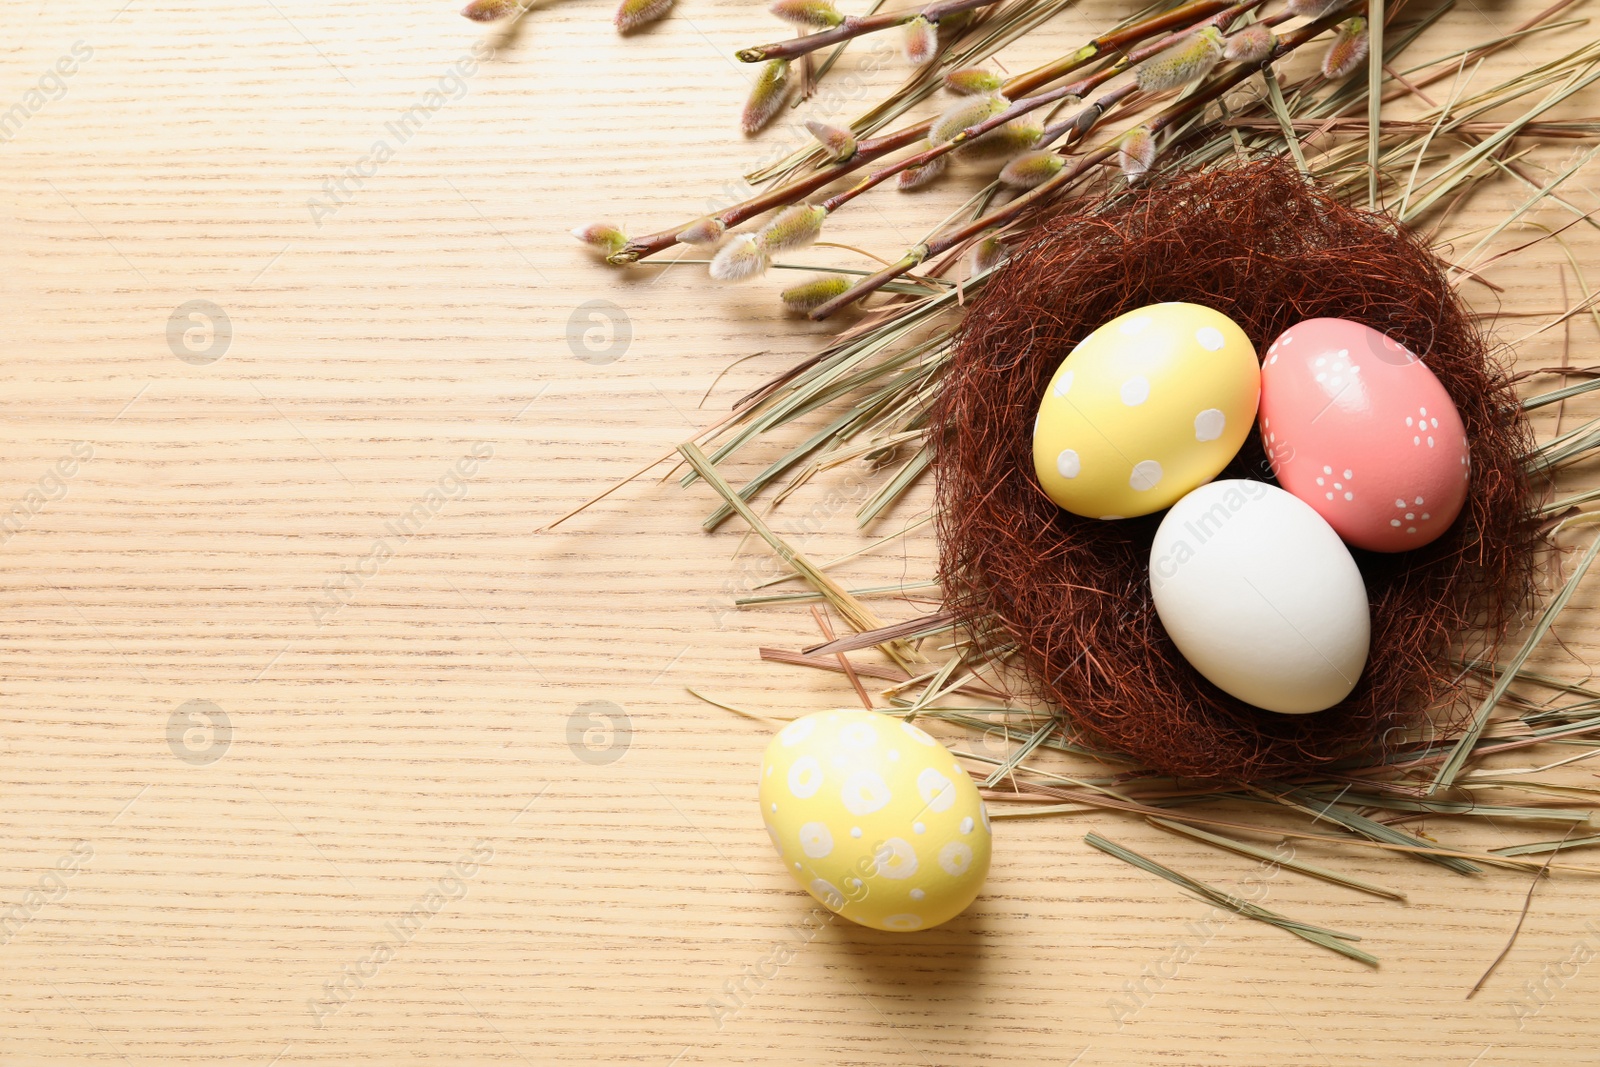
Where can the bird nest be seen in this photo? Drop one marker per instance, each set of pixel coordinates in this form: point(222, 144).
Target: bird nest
point(1266, 247)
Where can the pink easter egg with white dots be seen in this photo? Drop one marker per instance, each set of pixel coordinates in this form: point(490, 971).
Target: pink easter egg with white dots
point(1358, 427)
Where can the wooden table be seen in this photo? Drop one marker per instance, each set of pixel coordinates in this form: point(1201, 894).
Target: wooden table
point(316, 751)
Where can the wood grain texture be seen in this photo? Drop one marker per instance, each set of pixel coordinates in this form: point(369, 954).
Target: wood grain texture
point(404, 805)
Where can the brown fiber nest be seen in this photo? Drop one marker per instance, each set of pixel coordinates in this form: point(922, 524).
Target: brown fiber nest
point(1260, 244)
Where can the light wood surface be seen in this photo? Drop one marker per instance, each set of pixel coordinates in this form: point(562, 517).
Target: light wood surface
point(415, 746)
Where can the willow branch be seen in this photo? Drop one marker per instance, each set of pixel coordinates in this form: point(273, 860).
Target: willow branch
point(854, 26)
point(1042, 193)
point(1021, 107)
point(875, 148)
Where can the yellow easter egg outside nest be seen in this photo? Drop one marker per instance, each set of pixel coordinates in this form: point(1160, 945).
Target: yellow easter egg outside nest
point(875, 819)
point(1149, 406)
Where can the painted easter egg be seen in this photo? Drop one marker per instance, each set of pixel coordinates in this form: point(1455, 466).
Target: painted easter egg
point(1148, 406)
point(875, 819)
point(1359, 428)
point(1261, 596)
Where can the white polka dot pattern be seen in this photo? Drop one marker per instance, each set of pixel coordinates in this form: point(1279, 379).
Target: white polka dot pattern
point(864, 792)
point(805, 777)
point(1169, 389)
point(936, 790)
point(1146, 475)
point(1353, 422)
point(955, 858)
point(1209, 424)
point(816, 840)
point(892, 843)
point(1135, 391)
point(897, 859)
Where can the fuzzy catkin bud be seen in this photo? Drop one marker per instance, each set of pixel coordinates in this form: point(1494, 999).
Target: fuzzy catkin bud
point(1031, 169)
point(1253, 44)
point(813, 14)
point(954, 25)
point(767, 98)
point(917, 177)
point(839, 142)
point(489, 10)
point(1187, 61)
point(739, 259)
point(973, 81)
point(808, 296)
point(919, 40)
point(794, 227)
point(602, 237)
point(631, 14)
point(707, 231)
point(1138, 153)
point(988, 253)
point(1311, 9)
point(1018, 135)
point(964, 114)
point(1348, 49)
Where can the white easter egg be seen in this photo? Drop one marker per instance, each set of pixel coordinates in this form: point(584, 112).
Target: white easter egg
point(1261, 596)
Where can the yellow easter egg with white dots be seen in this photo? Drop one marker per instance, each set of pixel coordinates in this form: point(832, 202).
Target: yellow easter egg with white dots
point(875, 819)
point(1149, 406)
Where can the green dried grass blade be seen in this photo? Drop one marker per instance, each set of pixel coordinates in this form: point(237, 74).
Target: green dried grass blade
point(1373, 830)
point(1538, 847)
point(1555, 507)
point(1245, 849)
point(1558, 395)
point(853, 611)
point(765, 478)
point(1009, 764)
point(1480, 718)
point(1281, 110)
point(1458, 169)
point(936, 679)
point(1548, 681)
point(1456, 807)
point(1317, 935)
point(1528, 205)
point(895, 487)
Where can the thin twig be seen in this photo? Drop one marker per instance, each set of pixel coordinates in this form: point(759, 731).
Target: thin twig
point(1527, 901)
